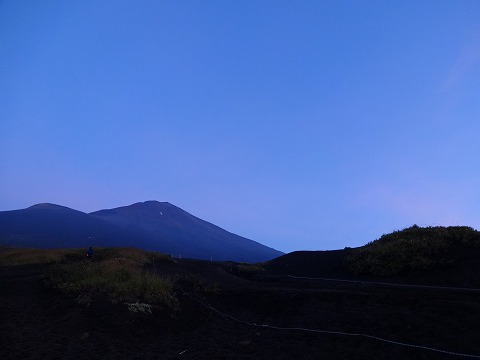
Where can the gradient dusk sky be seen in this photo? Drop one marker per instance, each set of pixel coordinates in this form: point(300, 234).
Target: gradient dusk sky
point(298, 124)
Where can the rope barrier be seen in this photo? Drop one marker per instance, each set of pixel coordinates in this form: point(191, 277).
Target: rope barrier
point(388, 284)
point(252, 324)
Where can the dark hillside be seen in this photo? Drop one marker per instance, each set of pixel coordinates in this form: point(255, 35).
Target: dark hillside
point(309, 263)
point(448, 256)
point(443, 255)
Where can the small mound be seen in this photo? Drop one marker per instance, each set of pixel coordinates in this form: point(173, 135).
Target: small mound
point(308, 263)
point(48, 206)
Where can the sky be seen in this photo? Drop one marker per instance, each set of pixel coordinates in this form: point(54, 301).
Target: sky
point(303, 125)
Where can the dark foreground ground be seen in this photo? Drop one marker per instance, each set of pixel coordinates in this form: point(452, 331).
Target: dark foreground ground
point(221, 315)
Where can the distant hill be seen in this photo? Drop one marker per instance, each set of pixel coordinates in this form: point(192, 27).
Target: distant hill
point(432, 255)
point(150, 225)
point(441, 254)
point(176, 232)
point(53, 226)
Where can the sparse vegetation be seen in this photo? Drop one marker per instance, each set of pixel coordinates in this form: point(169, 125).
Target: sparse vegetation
point(139, 256)
point(414, 248)
point(18, 256)
point(119, 274)
point(28, 256)
point(248, 271)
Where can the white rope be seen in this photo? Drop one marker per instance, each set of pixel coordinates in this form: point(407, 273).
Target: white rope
point(208, 306)
point(387, 284)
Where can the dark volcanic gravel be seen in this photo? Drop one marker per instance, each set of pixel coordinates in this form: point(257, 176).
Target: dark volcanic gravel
point(40, 323)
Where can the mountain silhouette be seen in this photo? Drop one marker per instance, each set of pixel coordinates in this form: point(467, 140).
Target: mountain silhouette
point(54, 226)
point(177, 232)
point(151, 225)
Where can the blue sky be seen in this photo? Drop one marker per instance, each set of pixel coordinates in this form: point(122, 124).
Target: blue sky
point(299, 124)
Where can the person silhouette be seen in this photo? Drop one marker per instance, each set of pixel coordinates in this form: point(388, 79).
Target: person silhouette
point(90, 252)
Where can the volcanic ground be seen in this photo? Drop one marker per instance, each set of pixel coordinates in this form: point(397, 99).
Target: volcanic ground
point(225, 313)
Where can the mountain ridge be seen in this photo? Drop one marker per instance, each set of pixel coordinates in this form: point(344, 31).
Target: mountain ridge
point(150, 225)
point(179, 229)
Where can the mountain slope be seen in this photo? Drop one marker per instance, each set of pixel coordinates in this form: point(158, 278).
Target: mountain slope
point(175, 231)
point(150, 225)
point(53, 226)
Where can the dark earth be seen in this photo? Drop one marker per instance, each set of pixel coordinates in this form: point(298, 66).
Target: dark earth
point(222, 313)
